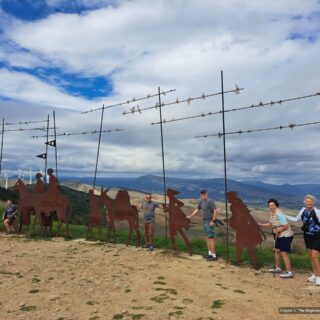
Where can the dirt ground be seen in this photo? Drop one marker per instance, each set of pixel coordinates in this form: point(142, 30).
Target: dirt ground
point(82, 280)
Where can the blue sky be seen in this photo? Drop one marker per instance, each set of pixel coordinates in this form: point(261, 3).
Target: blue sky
point(79, 54)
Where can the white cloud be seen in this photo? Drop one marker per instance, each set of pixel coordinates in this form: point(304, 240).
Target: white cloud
point(183, 45)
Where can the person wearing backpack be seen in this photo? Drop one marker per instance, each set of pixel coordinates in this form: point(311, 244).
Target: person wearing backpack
point(310, 217)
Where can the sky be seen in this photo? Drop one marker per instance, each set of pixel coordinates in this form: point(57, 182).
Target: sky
point(74, 55)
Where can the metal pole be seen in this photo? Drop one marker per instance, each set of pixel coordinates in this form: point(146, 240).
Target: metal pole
point(55, 141)
point(163, 170)
point(98, 151)
point(2, 133)
point(225, 166)
point(46, 159)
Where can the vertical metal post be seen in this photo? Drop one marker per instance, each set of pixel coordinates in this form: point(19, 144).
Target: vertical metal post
point(55, 141)
point(225, 165)
point(2, 134)
point(163, 169)
point(98, 151)
point(46, 159)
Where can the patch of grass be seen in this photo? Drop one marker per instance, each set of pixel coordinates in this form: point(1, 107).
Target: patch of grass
point(175, 313)
point(27, 308)
point(160, 299)
point(161, 278)
point(179, 308)
point(159, 282)
point(187, 300)
point(90, 303)
point(117, 316)
point(137, 316)
point(34, 291)
point(168, 290)
point(35, 280)
point(239, 291)
point(127, 290)
point(217, 304)
point(10, 273)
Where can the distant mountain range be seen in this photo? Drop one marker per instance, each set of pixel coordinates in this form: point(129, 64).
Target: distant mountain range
point(252, 192)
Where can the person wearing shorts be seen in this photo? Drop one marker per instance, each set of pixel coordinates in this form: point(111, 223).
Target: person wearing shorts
point(149, 214)
point(10, 217)
point(209, 213)
point(310, 217)
point(283, 238)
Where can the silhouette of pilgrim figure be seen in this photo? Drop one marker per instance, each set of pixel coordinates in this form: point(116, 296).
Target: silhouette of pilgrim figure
point(177, 219)
point(248, 233)
point(95, 216)
point(53, 196)
point(39, 185)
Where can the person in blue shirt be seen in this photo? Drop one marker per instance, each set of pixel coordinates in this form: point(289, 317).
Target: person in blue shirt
point(310, 217)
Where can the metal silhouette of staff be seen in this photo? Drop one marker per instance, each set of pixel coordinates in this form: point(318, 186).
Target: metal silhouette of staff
point(98, 151)
point(163, 169)
point(2, 136)
point(225, 165)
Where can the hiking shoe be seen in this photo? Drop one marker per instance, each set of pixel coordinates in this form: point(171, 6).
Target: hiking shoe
point(146, 246)
point(211, 258)
point(275, 270)
point(151, 247)
point(286, 275)
point(206, 256)
point(312, 279)
point(318, 281)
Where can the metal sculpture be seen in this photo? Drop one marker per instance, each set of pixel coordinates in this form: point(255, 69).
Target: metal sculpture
point(248, 233)
point(177, 219)
point(45, 204)
point(120, 209)
point(95, 216)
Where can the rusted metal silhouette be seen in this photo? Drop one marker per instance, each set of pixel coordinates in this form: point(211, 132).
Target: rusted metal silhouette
point(248, 233)
point(44, 204)
point(95, 216)
point(120, 209)
point(177, 219)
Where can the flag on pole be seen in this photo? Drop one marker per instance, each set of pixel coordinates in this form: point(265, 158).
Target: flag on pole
point(51, 143)
point(42, 156)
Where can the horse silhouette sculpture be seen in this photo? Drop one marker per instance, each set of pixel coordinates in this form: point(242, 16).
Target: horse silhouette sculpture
point(248, 233)
point(44, 204)
point(95, 216)
point(120, 209)
point(177, 219)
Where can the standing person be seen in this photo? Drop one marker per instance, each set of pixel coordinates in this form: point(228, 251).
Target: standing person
point(149, 214)
point(310, 217)
point(283, 238)
point(209, 214)
point(10, 217)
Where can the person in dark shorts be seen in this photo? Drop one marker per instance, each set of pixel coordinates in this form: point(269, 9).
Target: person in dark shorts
point(10, 216)
point(149, 214)
point(310, 217)
point(209, 213)
point(283, 238)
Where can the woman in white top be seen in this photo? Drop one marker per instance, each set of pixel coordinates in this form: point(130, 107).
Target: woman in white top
point(283, 238)
point(310, 217)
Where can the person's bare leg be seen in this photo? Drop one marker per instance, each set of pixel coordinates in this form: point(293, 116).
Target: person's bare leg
point(316, 263)
point(146, 234)
point(151, 233)
point(210, 245)
point(312, 263)
point(277, 258)
point(286, 260)
point(7, 224)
